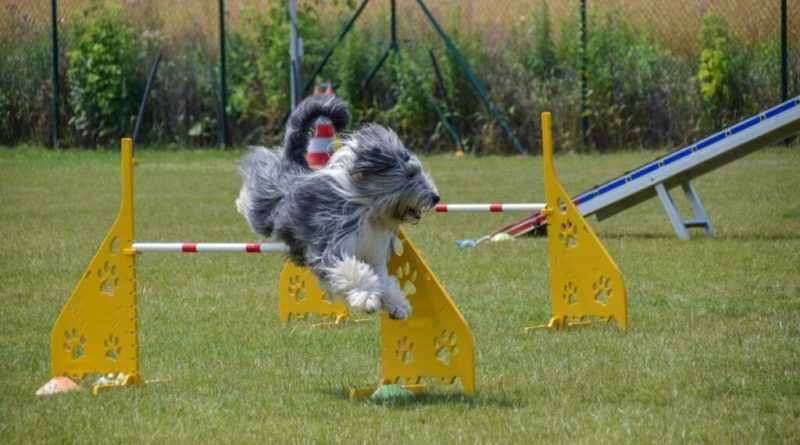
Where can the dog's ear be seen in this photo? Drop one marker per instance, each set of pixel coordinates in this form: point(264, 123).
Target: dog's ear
point(377, 150)
point(373, 160)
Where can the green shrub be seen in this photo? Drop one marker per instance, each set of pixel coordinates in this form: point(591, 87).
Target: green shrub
point(538, 78)
point(766, 73)
point(412, 115)
point(245, 91)
point(25, 82)
point(186, 97)
point(350, 67)
point(262, 81)
point(355, 59)
point(723, 74)
point(542, 60)
point(470, 118)
point(636, 90)
point(102, 75)
point(258, 60)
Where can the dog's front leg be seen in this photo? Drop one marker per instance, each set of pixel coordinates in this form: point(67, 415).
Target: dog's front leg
point(354, 279)
point(394, 299)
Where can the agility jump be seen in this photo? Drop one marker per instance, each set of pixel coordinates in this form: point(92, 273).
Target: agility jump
point(97, 330)
point(585, 281)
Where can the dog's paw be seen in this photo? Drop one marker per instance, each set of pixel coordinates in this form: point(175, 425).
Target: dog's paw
point(368, 302)
point(398, 309)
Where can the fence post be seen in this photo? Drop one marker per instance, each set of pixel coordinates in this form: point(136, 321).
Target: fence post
point(395, 45)
point(784, 55)
point(223, 86)
point(294, 55)
point(584, 124)
point(56, 89)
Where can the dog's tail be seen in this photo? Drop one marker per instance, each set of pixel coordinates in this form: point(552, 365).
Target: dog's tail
point(263, 184)
point(301, 124)
point(266, 175)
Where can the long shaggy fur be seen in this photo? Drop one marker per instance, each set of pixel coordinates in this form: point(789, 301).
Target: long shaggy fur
point(339, 221)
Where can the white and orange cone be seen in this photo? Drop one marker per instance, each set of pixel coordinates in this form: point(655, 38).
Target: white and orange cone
point(320, 148)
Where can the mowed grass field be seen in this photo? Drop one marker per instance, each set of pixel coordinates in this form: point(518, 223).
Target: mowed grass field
point(712, 353)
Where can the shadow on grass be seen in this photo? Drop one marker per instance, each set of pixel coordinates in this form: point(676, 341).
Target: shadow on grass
point(602, 236)
point(429, 399)
point(784, 236)
point(639, 236)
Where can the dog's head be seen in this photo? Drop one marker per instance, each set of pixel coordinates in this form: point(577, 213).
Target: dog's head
point(385, 175)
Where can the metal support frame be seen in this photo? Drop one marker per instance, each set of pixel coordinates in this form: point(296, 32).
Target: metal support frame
point(700, 217)
point(56, 86)
point(395, 48)
point(376, 68)
point(317, 69)
point(462, 63)
point(439, 113)
point(145, 98)
point(345, 29)
point(451, 124)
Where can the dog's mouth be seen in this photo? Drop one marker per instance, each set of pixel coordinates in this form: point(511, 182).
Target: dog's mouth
point(412, 215)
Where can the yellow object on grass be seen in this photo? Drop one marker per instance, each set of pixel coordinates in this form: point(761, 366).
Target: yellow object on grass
point(96, 331)
point(434, 342)
point(584, 279)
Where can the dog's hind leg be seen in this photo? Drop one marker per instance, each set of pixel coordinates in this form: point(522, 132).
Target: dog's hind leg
point(358, 283)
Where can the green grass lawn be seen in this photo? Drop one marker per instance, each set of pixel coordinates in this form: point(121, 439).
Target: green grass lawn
point(712, 353)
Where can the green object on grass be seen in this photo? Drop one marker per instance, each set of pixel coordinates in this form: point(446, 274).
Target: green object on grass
point(791, 214)
point(387, 393)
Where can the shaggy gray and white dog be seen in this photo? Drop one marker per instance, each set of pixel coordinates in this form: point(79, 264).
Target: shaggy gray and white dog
point(341, 220)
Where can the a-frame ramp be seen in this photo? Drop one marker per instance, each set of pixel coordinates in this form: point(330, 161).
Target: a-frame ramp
point(656, 178)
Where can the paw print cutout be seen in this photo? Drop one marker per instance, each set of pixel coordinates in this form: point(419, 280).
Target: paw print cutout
point(405, 350)
point(570, 294)
point(397, 247)
point(445, 346)
point(602, 290)
point(406, 277)
point(112, 346)
point(74, 343)
point(297, 288)
point(568, 233)
point(109, 280)
point(113, 248)
point(562, 206)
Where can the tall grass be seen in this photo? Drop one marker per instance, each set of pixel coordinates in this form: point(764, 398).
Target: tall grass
point(710, 356)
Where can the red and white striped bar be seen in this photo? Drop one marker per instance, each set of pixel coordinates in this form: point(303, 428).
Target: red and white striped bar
point(494, 208)
point(282, 248)
point(211, 247)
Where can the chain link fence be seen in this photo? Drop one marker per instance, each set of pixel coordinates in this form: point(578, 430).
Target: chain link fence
point(674, 25)
point(653, 73)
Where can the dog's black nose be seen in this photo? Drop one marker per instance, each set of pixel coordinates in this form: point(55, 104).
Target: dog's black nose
point(436, 198)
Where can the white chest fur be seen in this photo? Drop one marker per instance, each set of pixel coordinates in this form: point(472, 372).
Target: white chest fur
point(369, 244)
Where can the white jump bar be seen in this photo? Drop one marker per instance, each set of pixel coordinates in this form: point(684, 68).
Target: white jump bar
point(211, 247)
point(526, 207)
point(282, 248)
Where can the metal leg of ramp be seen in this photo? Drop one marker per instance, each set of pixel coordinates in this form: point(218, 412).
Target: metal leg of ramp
point(678, 223)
